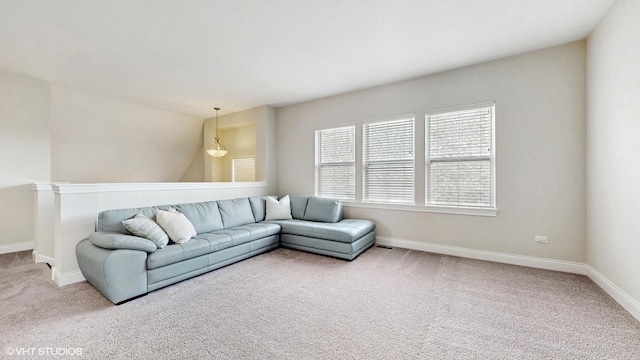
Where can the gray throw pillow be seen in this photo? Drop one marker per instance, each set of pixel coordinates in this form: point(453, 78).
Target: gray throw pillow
point(145, 227)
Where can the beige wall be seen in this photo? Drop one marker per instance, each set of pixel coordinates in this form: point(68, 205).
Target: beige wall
point(264, 118)
point(24, 155)
point(49, 133)
point(241, 142)
point(613, 134)
point(195, 171)
point(96, 139)
point(540, 131)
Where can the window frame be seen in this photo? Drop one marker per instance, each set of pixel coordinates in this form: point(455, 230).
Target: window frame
point(420, 183)
point(365, 163)
point(491, 158)
point(318, 164)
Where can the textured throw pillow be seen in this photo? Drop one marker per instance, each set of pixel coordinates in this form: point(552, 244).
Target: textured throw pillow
point(278, 210)
point(145, 227)
point(176, 225)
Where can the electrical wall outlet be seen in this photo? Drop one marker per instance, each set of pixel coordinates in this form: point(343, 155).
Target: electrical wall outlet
point(542, 239)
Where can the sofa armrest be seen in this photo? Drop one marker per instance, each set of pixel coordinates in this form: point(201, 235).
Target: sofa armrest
point(114, 241)
point(118, 274)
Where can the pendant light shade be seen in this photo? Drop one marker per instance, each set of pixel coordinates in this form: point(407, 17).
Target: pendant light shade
point(216, 149)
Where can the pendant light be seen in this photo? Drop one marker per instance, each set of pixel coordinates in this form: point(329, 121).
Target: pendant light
point(217, 149)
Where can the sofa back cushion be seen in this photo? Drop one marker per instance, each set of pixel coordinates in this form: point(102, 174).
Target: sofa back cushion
point(204, 216)
point(258, 207)
point(324, 210)
point(298, 206)
point(111, 220)
point(236, 212)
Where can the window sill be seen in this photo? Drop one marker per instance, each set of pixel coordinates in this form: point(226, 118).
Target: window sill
point(423, 208)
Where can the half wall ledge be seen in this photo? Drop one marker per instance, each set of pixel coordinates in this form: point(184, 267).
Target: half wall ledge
point(66, 213)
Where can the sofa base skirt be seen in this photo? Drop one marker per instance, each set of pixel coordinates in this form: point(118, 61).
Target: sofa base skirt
point(342, 250)
point(164, 276)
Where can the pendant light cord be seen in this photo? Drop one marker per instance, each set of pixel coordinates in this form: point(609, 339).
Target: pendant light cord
point(217, 109)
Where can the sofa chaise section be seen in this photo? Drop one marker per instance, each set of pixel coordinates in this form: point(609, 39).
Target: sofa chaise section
point(345, 239)
point(317, 227)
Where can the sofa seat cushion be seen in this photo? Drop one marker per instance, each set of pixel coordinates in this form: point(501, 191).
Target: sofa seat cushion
point(211, 242)
point(178, 252)
point(258, 231)
point(249, 232)
point(216, 241)
point(346, 230)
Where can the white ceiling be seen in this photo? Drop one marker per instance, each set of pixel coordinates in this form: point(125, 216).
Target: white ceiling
point(191, 55)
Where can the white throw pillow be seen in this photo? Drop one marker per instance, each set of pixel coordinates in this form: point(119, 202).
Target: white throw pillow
point(176, 225)
point(278, 210)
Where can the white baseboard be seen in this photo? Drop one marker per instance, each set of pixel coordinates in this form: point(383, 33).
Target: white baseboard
point(621, 297)
point(11, 248)
point(530, 261)
point(66, 278)
point(38, 258)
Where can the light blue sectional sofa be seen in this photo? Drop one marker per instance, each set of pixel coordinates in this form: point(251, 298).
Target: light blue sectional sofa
point(123, 266)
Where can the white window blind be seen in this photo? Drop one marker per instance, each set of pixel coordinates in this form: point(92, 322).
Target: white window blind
point(335, 163)
point(388, 161)
point(243, 169)
point(460, 157)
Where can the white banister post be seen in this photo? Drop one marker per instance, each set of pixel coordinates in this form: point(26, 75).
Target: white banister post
point(75, 214)
point(43, 208)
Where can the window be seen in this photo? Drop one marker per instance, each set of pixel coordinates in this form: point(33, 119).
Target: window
point(388, 160)
point(335, 163)
point(460, 157)
point(243, 169)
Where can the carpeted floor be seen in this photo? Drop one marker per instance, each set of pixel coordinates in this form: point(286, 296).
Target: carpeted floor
point(386, 304)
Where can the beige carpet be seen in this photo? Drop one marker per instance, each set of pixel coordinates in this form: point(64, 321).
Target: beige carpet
point(386, 304)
